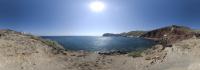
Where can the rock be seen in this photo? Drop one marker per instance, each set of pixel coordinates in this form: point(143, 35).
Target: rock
point(197, 35)
point(133, 33)
point(156, 54)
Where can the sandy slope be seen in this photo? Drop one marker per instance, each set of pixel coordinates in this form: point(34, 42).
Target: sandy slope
point(22, 52)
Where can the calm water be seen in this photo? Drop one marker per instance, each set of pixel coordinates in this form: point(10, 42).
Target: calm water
point(92, 43)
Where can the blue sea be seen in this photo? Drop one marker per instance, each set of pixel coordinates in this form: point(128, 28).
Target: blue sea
point(102, 44)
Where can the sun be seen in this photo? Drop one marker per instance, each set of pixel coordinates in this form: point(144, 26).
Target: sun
point(97, 6)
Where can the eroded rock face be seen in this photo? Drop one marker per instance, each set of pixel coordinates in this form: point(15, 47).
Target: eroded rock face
point(170, 34)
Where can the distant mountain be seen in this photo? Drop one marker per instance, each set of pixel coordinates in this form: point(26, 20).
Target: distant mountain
point(170, 34)
point(127, 34)
point(111, 34)
point(133, 33)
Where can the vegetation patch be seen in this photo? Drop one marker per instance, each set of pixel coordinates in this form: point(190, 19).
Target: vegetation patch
point(55, 46)
point(135, 53)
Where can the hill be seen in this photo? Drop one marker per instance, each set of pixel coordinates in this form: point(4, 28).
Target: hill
point(133, 33)
point(170, 34)
point(127, 34)
point(111, 34)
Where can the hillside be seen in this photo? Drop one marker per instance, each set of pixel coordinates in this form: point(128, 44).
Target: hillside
point(133, 33)
point(20, 51)
point(170, 34)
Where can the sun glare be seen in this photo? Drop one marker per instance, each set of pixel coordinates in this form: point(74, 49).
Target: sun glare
point(97, 6)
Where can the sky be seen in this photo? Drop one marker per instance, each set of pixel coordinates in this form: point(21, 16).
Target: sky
point(74, 17)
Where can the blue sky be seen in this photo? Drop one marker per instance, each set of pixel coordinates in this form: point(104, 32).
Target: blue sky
point(74, 17)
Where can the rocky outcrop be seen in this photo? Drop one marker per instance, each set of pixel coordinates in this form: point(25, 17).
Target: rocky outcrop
point(170, 34)
point(197, 35)
point(155, 54)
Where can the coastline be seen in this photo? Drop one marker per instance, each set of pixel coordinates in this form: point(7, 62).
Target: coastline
point(27, 52)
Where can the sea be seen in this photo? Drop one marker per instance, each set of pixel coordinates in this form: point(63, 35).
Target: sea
point(102, 44)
